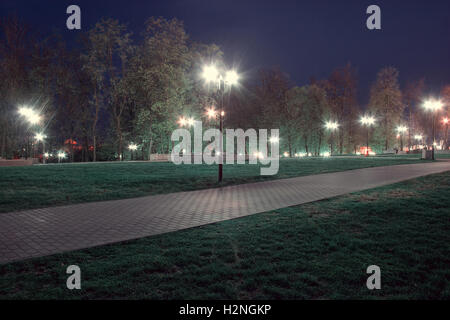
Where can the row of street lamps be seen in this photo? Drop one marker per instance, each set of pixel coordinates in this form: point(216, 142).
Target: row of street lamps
point(224, 80)
point(432, 105)
point(365, 120)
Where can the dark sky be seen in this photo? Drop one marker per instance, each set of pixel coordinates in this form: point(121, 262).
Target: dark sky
point(304, 38)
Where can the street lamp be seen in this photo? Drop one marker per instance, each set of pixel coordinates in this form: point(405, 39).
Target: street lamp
point(211, 113)
point(419, 137)
point(433, 105)
point(367, 121)
point(40, 137)
point(32, 117)
point(61, 155)
point(210, 73)
point(401, 130)
point(132, 147)
point(46, 155)
point(25, 111)
point(445, 122)
point(186, 122)
point(231, 78)
point(332, 126)
point(274, 140)
point(182, 121)
point(190, 121)
point(228, 79)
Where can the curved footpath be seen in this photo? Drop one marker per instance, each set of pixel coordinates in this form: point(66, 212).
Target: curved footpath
point(41, 232)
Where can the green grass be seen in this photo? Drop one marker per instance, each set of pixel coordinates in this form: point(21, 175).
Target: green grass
point(52, 185)
point(314, 251)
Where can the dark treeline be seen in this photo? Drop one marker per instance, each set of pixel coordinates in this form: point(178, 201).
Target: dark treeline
point(110, 91)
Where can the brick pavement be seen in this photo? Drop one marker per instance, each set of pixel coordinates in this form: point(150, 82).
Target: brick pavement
point(41, 232)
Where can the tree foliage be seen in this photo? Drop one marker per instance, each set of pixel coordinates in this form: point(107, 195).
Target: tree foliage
point(386, 103)
point(114, 89)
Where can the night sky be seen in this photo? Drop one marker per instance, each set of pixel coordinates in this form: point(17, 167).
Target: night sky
point(304, 38)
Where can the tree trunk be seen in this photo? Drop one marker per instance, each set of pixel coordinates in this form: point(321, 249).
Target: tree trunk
point(120, 147)
point(386, 123)
point(86, 149)
point(386, 143)
point(290, 145)
point(3, 150)
point(320, 143)
point(306, 145)
point(446, 137)
point(409, 128)
point(150, 149)
point(72, 156)
point(94, 126)
point(94, 156)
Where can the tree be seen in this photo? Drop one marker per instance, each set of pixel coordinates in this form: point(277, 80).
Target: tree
point(272, 94)
point(315, 110)
point(412, 99)
point(341, 91)
point(445, 94)
point(162, 77)
point(94, 65)
point(16, 44)
point(386, 103)
point(107, 45)
point(296, 99)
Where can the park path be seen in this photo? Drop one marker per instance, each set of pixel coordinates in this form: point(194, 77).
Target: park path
point(41, 232)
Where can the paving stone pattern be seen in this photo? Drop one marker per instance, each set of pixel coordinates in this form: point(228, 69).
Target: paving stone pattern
point(41, 232)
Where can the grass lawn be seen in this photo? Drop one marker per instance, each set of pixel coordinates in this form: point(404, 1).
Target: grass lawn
point(52, 185)
point(314, 251)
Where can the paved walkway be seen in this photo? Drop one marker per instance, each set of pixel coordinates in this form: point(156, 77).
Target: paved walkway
point(41, 232)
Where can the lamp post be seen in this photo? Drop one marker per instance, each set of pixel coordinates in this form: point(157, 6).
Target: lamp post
point(222, 81)
point(61, 155)
point(273, 141)
point(32, 118)
point(445, 122)
point(186, 122)
point(30, 115)
point(367, 121)
point(401, 130)
point(419, 137)
point(40, 137)
point(433, 105)
point(132, 147)
point(332, 126)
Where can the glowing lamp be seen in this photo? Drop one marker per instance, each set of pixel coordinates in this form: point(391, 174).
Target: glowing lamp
point(231, 78)
point(210, 73)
